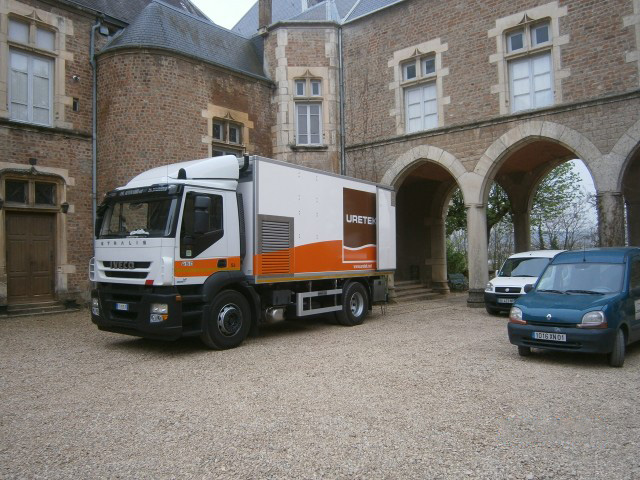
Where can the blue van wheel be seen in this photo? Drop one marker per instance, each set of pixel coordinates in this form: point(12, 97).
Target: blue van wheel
point(616, 357)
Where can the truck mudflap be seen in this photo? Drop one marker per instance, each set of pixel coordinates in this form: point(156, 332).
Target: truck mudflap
point(127, 309)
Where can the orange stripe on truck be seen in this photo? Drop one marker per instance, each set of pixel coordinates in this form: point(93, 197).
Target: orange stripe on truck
point(205, 267)
point(313, 258)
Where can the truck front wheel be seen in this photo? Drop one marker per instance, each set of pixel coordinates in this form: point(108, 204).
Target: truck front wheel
point(229, 321)
point(355, 305)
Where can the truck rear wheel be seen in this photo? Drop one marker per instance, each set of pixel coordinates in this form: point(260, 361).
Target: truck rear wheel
point(355, 305)
point(229, 321)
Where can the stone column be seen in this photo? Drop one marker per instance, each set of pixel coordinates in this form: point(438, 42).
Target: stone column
point(522, 231)
point(610, 219)
point(439, 281)
point(633, 223)
point(477, 253)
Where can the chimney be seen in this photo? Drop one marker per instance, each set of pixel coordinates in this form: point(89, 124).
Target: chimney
point(264, 14)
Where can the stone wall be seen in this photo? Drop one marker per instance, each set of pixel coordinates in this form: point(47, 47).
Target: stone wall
point(592, 46)
point(153, 109)
point(304, 52)
point(63, 150)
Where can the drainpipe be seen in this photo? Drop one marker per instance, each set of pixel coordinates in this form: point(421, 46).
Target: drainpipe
point(103, 30)
point(94, 115)
point(343, 160)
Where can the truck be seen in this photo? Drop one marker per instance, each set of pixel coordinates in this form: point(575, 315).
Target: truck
point(217, 247)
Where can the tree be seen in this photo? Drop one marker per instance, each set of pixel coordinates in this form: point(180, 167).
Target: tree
point(558, 218)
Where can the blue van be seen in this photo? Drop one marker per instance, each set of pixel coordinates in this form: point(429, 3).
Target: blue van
point(584, 301)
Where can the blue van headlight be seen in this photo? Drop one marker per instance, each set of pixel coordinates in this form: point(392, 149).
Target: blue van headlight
point(595, 319)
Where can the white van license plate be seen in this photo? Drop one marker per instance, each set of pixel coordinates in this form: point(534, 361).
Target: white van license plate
point(122, 306)
point(506, 300)
point(554, 337)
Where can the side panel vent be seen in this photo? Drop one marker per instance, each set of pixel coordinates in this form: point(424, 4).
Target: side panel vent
point(275, 241)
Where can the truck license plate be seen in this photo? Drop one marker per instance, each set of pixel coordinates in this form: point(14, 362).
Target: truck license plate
point(555, 337)
point(506, 300)
point(122, 306)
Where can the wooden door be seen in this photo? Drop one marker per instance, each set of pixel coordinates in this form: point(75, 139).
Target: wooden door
point(30, 257)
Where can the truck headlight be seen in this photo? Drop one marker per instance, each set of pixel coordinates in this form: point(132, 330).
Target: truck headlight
point(159, 312)
point(161, 308)
point(594, 319)
point(515, 316)
point(489, 287)
point(95, 306)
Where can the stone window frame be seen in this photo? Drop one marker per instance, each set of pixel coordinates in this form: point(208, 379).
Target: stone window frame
point(308, 98)
point(418, 53)
point(218, 114)
point(37, 18)
point(31, 181)
point(551, 13)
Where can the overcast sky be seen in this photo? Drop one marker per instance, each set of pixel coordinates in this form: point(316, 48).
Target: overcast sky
point(225, 13)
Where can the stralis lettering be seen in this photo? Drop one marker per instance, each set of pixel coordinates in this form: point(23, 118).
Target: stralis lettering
point(360, 219)
point(122, 243)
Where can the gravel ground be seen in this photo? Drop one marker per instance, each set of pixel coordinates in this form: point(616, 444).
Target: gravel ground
point(426, 390)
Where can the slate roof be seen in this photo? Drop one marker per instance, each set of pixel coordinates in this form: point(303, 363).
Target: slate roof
point(340, 11)
point(127, 10)
point(166, 27)
point(365, 7)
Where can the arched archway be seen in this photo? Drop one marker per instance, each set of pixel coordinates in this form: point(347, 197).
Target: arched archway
point(424, 179)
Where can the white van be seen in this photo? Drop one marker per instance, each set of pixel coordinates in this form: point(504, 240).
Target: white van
point(517, 271)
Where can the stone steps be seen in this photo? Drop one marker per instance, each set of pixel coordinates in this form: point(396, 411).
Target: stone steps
point(413, 291)
point(40, 308)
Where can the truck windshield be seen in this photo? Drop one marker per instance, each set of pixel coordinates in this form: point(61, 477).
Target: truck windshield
point(523, 267)
point(139, 217)
point(583, 278)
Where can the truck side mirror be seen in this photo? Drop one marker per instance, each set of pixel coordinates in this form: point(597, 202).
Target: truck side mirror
point(202, 206)
point(99, 218)
point(528, 287)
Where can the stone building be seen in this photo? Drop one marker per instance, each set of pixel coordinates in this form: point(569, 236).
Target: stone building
point(427, 96)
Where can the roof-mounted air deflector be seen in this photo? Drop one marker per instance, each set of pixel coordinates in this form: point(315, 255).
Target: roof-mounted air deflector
point(226, 167)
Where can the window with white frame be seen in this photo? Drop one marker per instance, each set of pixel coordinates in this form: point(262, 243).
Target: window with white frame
point(420, 93)
point(30, 72)
point(308, 107)
point(530, 66)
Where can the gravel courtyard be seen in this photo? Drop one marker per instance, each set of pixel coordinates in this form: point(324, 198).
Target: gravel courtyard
point(425, 390)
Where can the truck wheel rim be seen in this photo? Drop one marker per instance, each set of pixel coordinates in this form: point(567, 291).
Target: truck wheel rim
point(357, 304)
point(229, 320)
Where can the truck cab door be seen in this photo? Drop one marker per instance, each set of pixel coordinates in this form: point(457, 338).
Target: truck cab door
point(205, 234)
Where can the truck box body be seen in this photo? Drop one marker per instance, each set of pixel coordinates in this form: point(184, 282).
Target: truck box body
point(303, 223)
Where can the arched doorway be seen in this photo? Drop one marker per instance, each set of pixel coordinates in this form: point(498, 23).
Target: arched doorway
point(631, 193)
point(421, 203)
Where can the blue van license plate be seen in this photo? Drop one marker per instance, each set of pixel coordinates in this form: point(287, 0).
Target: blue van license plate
point(122, 306)
point(554, 337)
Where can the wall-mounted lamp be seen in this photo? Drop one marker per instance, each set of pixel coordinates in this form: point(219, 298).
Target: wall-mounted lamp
point(33, 161)
point(75, 78)
point(64, 207)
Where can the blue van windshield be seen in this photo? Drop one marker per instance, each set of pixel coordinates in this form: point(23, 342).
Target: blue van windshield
point(582, 278)
point(523, 267)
